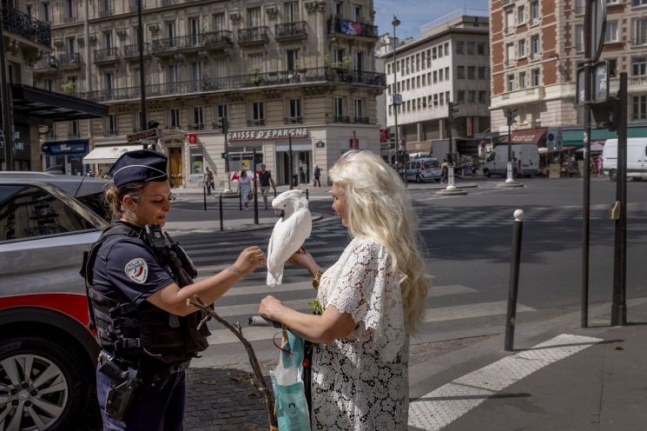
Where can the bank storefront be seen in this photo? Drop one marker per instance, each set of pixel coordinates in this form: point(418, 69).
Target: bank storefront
point(66, 157)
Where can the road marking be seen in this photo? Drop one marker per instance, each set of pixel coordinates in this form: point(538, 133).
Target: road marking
point(471, 311)
point(439, 408)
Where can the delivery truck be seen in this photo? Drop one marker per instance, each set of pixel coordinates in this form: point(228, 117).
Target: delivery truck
point(525, 161)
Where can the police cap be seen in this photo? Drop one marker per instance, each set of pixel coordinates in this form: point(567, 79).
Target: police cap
point(138, 166)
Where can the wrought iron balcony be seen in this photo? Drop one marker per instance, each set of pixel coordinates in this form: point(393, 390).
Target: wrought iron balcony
point(361, 120)
point(256, 123)
point(69, 60)
point(291, 30)
point(253, 35)
point(239, 82)
point(169, 2)
point(47, 63)
point(351, 28)
point(104, 12)
point(217, 39)
point(294, 120)
point(132, 51)
point(69, 19)
point(214, 39)
point(25, 26)
point(106, 55)
point(341, 119)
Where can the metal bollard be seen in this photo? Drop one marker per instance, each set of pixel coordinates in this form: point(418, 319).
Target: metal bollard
point(204, 196)
point(240, 199)
point(513, 287)
point(307, 195)
point(220, 211)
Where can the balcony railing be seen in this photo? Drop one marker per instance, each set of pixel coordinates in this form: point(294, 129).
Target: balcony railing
point(217, 38)
point(256, 123)
point(212, 39)
point(361, 120)
point(47, 62)
point(238, 82)
point(107, 54)
point(341, 119)
point(253, 35)
point(290, 30)
point(131, 51)
point(351, 28)
point(294, 120)
point(67, 60)
point(639, 41)
point(169, 2)
point(105, 12)
point(25, 26)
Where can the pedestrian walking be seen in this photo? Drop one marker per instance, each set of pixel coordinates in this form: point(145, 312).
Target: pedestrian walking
point(266, 180)
point(208, 180)
point(138, 283)
point(444, 171)
point(317, 175)
point(373, 299)
point(245, 189)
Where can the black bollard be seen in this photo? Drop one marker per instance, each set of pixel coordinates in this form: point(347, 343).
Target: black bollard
point(307, 195)
point(513, 287)
point(220, 211)
point(204, 196)
point(240, 199)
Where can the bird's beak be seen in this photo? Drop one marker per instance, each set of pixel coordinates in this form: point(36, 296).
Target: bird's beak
point(280, 213)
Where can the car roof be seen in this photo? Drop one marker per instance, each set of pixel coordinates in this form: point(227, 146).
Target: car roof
point(73, 185)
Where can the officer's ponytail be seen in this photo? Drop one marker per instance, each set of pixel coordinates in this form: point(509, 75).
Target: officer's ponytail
point(114, 196)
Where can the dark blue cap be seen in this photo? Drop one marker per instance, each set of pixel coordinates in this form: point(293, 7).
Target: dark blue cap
point(138, 166)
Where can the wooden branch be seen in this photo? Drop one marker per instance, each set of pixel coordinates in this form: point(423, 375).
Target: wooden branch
point(258, 373)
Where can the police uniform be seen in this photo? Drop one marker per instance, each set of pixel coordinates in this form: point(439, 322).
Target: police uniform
point(145, 350)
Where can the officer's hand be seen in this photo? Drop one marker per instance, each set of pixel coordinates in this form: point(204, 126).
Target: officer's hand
point(270, 308)
point(250, 259)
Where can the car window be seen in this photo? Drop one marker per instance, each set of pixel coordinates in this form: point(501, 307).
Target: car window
point(97, 203)
point(27, 211)
point(430, 164)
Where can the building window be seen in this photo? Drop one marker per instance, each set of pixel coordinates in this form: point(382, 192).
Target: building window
point(258, 114)
point(534, 45)
point(639, 111)
point(509, 54)
point(510, 82)
point(47, 15)
point(446, 46)
point(198, 118)
point(294, 111)
point(221, 112)
point(291, 12)
point(482, 72)
point(254, 17)
point(75, 130)
point(109, 81)
point(111, 125)
point(174, 117)
point(219, 21)
point(460, 45)
point(434, 74)
point(579, 38)
point(339, 8)
point(640, 31)
point(522, 48)
point(483, 97)
point(292, 58)
point(481, 49)
point(339, 108)
point(612, 32)
point(613, 66)
point(639, 66)
point(535, 76)
point(461, 96)
point(471, 96)
point(534, 11)
point(471, 72)
point(509, 22)
point(433, 53)
point(639, 2)
point(69, 10)
point(359, 111)
point(460, 72)
point(522, 80)
point(357, 13)
point(521, 15)
point(471, 48)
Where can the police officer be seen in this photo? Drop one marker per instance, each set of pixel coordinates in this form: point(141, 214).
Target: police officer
point(138, 283)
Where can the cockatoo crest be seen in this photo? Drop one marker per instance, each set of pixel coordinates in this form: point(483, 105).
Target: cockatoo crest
point(289, 233)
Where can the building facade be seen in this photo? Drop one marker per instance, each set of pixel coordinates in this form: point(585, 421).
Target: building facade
point(537, 47)
point(448, 63)
point(293, 75)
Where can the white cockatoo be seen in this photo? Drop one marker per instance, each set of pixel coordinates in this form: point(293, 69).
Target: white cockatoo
point(289, 233)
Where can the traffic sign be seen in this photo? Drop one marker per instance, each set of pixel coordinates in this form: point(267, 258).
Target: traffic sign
point(598, 11)
point(396, 99)
point(599, 83)
point(139, 136)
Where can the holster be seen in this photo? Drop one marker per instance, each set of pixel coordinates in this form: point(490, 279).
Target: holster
point(124, 383)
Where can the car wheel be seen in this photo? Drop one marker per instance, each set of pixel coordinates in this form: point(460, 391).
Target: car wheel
point(42, 386)
point(486, 172)
point(612, 175)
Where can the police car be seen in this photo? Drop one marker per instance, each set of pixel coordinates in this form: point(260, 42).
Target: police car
point(47, 352)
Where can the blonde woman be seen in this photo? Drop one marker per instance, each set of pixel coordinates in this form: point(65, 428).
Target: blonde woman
point(374, 298)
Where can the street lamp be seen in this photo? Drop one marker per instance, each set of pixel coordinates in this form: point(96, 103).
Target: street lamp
point(290, 172)
point(397, 100)
point(142, 86)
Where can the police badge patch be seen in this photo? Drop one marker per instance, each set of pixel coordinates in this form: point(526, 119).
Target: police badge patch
point(137, 270)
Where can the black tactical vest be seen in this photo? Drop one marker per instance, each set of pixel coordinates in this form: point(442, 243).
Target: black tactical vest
point(140, 332)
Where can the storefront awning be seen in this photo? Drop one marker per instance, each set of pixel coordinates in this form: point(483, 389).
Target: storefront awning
point(108, 154)
point(30, 102)
point(529, 136)
point(575, 138)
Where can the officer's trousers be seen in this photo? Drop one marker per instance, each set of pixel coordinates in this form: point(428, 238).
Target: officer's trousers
point(151, 410)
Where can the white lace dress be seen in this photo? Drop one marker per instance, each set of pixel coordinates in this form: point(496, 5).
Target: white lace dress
point(362, 382)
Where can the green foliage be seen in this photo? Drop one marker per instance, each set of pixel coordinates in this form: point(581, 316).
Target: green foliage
point(315, 307)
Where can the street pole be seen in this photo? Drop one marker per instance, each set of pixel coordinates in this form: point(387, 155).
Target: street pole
point(290, 172)
point(255, 187)
point(225, 131)
point(398, 157)
point(586, 195)
point(142, 87)
point(510, 120)
point(5, 94)
point(450, 156)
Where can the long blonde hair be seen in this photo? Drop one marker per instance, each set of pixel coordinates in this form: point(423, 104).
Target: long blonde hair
point(378, 206)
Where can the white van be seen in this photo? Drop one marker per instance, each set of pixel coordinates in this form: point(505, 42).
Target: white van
point(423, 169)
point(636, 158)
point(497, 161)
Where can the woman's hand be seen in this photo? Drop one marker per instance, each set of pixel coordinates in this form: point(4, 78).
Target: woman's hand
point(270, 307)
point(250, 259)
point(305, 259)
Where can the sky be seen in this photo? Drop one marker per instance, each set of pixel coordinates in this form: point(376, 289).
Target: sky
point(414, 13)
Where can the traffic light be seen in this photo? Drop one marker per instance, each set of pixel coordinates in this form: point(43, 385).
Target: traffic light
point(258, 158)
point(452, 111)
point(223, 124)
point(510, 114)
point(224, 155)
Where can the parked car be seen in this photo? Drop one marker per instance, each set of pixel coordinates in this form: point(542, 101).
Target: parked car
point(47, 352)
